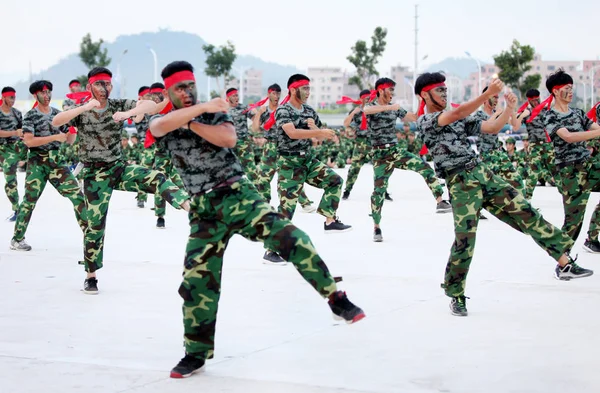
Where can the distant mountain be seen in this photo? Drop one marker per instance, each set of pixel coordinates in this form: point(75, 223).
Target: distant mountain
point(459, 66)
point(137, 66)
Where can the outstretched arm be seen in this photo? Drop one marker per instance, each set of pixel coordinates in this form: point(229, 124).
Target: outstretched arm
point(465, 109)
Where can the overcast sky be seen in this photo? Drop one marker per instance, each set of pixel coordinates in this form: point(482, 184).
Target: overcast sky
point(304, 33)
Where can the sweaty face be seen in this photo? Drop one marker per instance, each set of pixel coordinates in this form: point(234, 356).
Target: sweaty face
point(387, 94)
point(274, 96)
point(101, 90)
point(565, 93)
point(302, 93)
point(234, 99)
point(157, 97)
point(183, 94)
point(535, 102)
point(492, 102)
point(8, 101)
point(146, 97)
point(437, 97)
point(75, 88)
point(44, 97)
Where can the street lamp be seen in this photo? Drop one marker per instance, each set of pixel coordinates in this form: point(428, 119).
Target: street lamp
point(155, 62)
point(119, 73)
point(241, 71)
point(479, 68)
point(592, 76)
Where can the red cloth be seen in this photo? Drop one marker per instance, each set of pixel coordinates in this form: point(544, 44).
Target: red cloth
point(150, 140)
point(592, 113)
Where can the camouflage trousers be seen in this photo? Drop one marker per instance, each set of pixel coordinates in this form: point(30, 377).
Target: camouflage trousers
point(214, 218)
point(576, 183)
point(384, 163)
point(244, 150)
point(266, 170)
point(294, 171)
point(541, 166)
point(99, 182)
point(43, 168)
point(147, 161)
point(162, 164)
point(499, 163)
point(360, 156)
point(10, 155)
point(480, 188)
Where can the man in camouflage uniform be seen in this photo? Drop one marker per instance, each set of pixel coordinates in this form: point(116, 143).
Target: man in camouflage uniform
point(491, 150)
point(578, 173)
point(517, 158)
point(472, 185)
point(387, 155)
point(162, 161)
point(263, 122)
point(541, 153)
point(45, 163)
point(98, 122)
point(200, 138)
point(240, 114)
point(74, 87)
point(11, 146)
point(147, 155)
point(297, 123)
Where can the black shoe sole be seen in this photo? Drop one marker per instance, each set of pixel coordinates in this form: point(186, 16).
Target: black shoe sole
point(569, 278)
point(590, 250)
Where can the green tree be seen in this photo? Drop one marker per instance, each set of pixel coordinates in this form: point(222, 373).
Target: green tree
point(92, 55)
point(365, 58)
point(513, 65)
point(219, 62)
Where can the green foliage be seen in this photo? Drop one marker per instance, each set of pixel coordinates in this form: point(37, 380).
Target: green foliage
point(219, 62)
point(513, 65)
point(365, 58)
point(92, 55)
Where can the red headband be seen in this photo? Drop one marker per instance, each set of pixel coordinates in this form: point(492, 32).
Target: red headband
point(232, 92)
point(347, 100)
point(425, 89)
point(99, 77)
point(179, 77)
point(259, 103)
point(546, 103)
point(144, 92)
point(9, 94)
point(156, 90)
point(74, 84)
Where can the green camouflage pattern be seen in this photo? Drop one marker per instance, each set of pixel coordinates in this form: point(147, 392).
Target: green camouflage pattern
point(163, 164)
point(244, 151)
point(294, 171)
point(384, 163)
point(43, 167)
point(99, 183)
point(576, 183)
point(212, 224)
point(10, 121)
point(470, 191)
point(361, 155)
point(540, 166)
point(288, 114)
point(10, 155)
point(99, 134)
point(574, 121)
point(499, 163)
point(382, 126)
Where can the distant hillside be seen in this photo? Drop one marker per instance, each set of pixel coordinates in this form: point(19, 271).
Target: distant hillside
point(137, 66)
point(459, 66)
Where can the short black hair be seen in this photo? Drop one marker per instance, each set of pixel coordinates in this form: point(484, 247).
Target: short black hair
point(74, 81)
point(141, 89)
point(99, 70)
point(275, 87)
point(366, 91)
point(484, 89)
point(558, 78)
point(296, 78)
point(8, 89)
point(532, 93)
point(426, 79)
point(176, 66)
point(157, 85)
point(230, 90)
point(382, 81)
point(39, 86)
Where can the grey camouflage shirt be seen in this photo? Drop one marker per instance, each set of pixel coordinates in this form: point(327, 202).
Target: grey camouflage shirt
point(574, 121)
point(355, 125)
point(448, 145)
point(142, 127)
point(10, 122)
point(240, 120)
point(68, 104)
point(382, 126)
point(200, 164)
point(288, 114)
point(99, 136)
point(486, 142)
point(536, 130)
point(40, 125)
point(268, 134)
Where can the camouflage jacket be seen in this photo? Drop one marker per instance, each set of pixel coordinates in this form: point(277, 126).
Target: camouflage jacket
point(270, 134)
point(574, 121)
point(10, 122)
point(99, 134)
point(68, 104)
point(448, 144)
point(201, 164)
point(40, 125)
point(382, 126)
point(141, 128)
point(486, 143)
point(240, 116)
point(536, 130)
point(288, 114)
point(356, 123)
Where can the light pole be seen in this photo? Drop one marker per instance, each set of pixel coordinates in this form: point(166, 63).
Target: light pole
point(241, 71)
point(155, 62)
point(119, 73)
point(592, 76)
point(479, 69)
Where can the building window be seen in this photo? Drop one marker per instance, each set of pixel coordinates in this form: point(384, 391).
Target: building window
point(580, 77)
point(551, 68)
point(571, 68)
point(538, 68)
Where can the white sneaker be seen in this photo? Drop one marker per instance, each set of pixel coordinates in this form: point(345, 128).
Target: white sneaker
point(309, 209)
point(19, 246)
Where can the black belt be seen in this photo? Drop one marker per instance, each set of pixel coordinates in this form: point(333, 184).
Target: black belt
point(293, 153)
point(386, 146)
point(466, 167)
point(226, 183)
point(572, 163)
